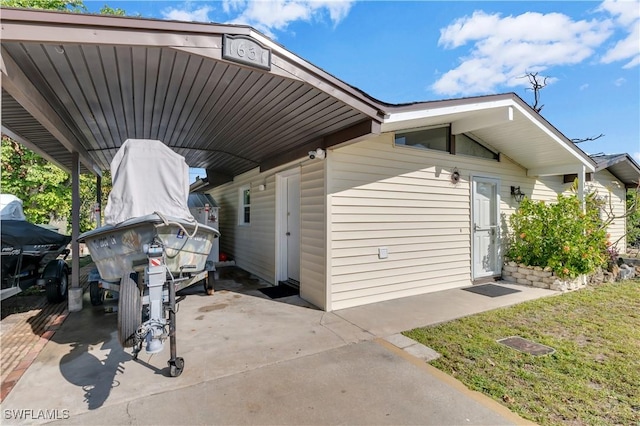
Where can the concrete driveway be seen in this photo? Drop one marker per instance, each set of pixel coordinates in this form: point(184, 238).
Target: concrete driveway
point(253, 360)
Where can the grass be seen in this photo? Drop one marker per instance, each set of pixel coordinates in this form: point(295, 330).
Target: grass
point(593, 378)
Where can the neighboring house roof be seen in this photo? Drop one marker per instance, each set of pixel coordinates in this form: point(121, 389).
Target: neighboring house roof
point(622, 166)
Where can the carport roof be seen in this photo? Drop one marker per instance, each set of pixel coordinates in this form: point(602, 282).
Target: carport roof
point(86, 83)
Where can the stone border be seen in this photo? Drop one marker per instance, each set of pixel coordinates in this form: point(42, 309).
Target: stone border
point(539, 277)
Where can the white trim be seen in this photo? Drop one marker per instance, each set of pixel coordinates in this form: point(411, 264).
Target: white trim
point(395, 121)
point(328, 235)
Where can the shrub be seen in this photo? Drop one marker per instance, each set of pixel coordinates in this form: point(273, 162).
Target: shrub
point(559, 235)
point(633, 220)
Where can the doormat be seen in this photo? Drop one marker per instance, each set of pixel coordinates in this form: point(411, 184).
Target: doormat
point(278, 291)
point(526, 346)
point(491, 290)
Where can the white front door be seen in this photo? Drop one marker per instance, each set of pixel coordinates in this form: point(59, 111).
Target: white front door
point(485, 229)
point(288, 226)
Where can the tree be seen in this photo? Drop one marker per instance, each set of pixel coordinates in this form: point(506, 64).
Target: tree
point(633, 218)
point(77, 6)
point(69, 5)
point(45, 189)
point(536, 86)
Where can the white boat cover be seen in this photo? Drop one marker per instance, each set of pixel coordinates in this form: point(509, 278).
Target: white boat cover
point(11, 208)
point(147, 177)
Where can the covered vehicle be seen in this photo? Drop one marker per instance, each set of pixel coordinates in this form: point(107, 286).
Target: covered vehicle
point(151, 245)
point(30, 253)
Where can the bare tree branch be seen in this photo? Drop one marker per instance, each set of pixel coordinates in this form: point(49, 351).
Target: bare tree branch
point(536, 86)
point(593, 138)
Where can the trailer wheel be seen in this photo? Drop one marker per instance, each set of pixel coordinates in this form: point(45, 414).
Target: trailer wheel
point(57, 284)
point(95, 293)
point(129, 310)
point(176, 366)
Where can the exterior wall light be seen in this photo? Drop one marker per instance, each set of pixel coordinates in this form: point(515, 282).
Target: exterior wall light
point(455, 176)
point(517, 194)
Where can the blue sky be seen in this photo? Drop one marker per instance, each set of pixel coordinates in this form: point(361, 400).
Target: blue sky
point(411, 51)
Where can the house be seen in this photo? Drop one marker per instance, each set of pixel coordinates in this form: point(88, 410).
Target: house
point(421, 207)
point(357, 200)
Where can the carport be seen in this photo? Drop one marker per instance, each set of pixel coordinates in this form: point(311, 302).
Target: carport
point(227, 98)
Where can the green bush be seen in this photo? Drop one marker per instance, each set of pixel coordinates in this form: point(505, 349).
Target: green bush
point(559, 235)
point(633, 220)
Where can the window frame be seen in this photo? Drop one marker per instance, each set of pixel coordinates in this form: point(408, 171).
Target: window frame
point(454, 148)
point(242, 206)
point(449, 141)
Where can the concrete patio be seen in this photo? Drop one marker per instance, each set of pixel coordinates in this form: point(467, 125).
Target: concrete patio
point(253, 360)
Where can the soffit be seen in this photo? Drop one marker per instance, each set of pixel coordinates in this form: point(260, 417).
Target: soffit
point(503, 122)
point(163, 85)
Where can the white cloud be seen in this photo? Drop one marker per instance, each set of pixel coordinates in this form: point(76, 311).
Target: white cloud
point(619, 82)
point(264, 15)
point(626, 14)
point(189, 13)
point(584, 86)
point(271, 15)
point(506, 48)
point(636, 156)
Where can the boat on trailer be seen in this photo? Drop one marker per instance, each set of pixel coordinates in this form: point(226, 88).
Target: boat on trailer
point(31, 254)
point(151, 246)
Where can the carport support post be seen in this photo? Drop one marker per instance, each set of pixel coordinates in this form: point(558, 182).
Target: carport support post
point(582, 176)
point(75, 292)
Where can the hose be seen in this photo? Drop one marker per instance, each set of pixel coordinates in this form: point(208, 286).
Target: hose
point(166, 222)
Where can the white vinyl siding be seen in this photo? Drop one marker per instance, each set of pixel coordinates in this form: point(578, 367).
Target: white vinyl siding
point(383, 195)
point(608, 186)
point(313, 249)
point(373, 194)
point(252, 247)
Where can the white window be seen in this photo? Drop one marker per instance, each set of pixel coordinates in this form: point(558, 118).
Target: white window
point(437, 138)
point(466, 145)
point(244, 206)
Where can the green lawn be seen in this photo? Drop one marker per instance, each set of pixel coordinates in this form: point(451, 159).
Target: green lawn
point(593, 378)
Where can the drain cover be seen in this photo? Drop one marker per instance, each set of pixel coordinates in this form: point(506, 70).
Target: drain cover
point(527, 346)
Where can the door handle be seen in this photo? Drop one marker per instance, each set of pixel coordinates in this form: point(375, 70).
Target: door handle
point(476, 228)
point(288, 234)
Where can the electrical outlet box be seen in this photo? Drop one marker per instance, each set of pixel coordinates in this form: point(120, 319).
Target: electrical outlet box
point(383, 253)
